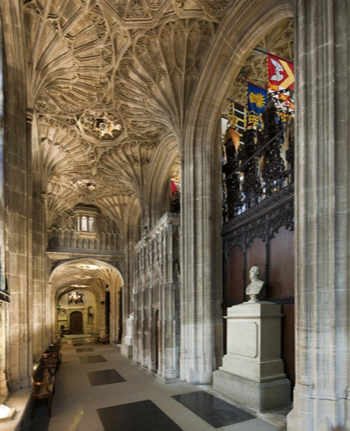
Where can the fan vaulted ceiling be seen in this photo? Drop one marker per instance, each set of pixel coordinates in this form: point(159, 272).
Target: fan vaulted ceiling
point(109, 83)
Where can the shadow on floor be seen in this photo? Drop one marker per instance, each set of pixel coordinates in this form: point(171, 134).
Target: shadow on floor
point(40, 421)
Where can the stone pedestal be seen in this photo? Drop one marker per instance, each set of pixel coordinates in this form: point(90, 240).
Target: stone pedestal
point(126, 347)
point(252, 372)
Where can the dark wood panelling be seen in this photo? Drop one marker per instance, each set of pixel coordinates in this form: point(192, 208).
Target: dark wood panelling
point(281, 280)
point(256, 256)
point(235, 277)
point(264, 236)
point(288, 341)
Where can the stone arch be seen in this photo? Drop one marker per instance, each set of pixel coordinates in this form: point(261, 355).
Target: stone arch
point(231, 48)
point(201, 184)
point(94, 276)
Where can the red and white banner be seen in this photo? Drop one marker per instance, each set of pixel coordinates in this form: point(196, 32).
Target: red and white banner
point(174, 187)
point(281, 81)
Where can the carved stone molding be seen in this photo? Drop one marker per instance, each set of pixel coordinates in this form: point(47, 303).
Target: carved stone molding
point(57, 255)
point(155, 293)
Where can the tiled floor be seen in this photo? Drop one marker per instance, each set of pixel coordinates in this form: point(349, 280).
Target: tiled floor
point(139, 403)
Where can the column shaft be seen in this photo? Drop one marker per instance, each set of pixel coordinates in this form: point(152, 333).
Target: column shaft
point(322, 214)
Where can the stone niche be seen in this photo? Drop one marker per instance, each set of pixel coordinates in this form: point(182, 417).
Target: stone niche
point(156, 299)
point(252, 371)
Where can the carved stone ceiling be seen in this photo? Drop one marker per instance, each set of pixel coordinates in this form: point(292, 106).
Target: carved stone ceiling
point(109, 82)
point(84, 273)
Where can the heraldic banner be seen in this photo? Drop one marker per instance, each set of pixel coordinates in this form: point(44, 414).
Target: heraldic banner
point(257, 98)
point(281, 82)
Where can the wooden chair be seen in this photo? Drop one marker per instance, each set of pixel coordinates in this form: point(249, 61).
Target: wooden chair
point(41, 391)
point(51, 359)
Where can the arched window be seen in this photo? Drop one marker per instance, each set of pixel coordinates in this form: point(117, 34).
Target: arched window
point(84, 224)
point(91, 224)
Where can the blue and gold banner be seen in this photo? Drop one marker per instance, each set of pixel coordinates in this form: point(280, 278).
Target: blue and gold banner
point(257, 99)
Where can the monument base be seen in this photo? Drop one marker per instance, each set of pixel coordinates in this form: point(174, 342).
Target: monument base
point(291, 421)
point(126, 350)
point(257, 395)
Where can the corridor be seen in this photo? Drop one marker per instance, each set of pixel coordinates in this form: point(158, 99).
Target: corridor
point(97, 389)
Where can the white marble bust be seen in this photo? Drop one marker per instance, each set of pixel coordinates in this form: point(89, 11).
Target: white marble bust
point(255, 288)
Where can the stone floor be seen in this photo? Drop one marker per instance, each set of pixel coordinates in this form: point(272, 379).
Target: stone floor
point(97, 389)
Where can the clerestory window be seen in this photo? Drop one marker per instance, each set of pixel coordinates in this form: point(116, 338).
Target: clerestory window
point(85, 224)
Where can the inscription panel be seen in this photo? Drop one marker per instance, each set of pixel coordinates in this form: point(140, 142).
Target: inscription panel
point(243, 338)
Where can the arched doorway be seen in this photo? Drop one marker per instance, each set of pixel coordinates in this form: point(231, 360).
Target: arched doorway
point(76, 323)
point(90, 278)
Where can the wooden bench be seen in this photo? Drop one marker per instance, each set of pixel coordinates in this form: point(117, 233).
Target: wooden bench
point(52, 358)
point(43, 378)
point(103, 340)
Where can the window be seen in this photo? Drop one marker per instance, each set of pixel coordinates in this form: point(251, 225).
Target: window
point(84, 225)
point(91, 224)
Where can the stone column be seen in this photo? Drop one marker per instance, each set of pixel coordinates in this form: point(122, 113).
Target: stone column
point(201, 317)
point(38, 293)
point(321, 400)
point(18, 200)
point(4, 339)
point(128, 277)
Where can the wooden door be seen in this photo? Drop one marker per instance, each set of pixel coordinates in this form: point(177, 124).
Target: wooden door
point(76, 322)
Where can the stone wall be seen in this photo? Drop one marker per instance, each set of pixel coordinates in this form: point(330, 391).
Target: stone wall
point(156, 299)
point(4, 336)
point(89, 307)
point(64, 234)
point(18, 202)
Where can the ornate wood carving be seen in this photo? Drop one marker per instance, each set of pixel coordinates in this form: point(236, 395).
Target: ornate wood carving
point(257, 170)
point(262, 220)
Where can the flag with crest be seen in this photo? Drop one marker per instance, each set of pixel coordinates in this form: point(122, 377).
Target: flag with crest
point(257, 98)
point(281, 83)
